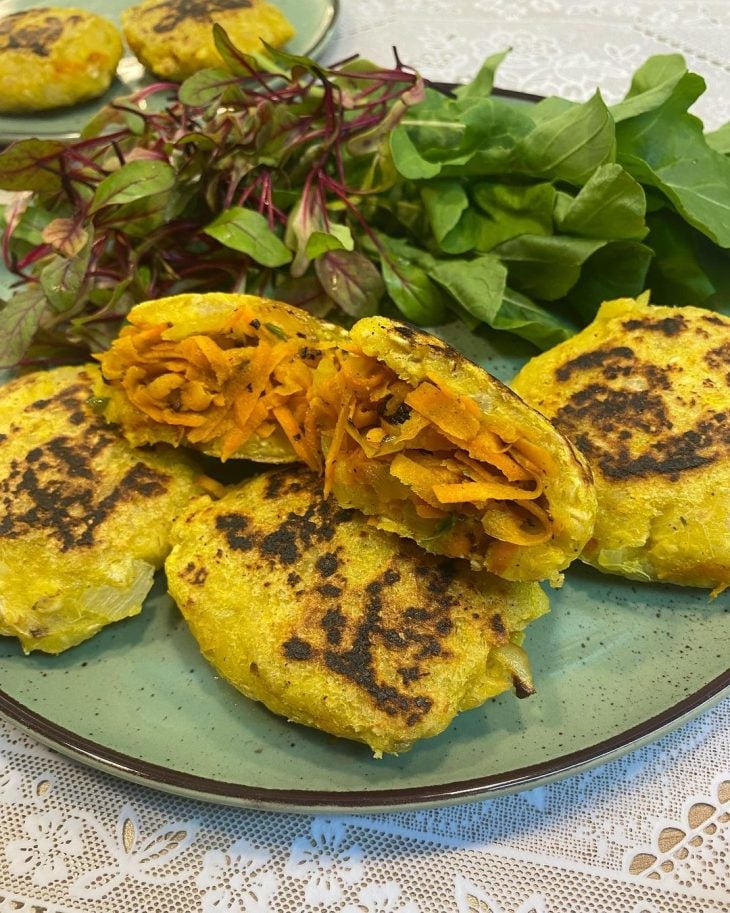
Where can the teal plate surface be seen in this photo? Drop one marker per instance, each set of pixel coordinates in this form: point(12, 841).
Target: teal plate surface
point(616, 664)
point(312, 20)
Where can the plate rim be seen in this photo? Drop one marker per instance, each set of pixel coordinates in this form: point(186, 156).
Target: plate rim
point(194, 786)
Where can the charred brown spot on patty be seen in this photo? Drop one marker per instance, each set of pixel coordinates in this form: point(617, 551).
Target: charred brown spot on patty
point(625, 429)
point(615, 362)
point(326, 564)
point(55, 488)
point(233, 527)
point(194, 574)
point(350, 647)
point(719, 357)
point(667, 326)
point(17, 34)
point(174, 12)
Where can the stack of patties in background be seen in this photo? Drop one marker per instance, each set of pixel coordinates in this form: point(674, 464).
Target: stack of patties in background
point(644, 392)
point(295, 584)
point(175, 39)
point(84, 517)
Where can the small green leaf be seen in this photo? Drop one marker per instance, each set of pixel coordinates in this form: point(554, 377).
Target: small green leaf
point(546, 267)
point(477, 285)
point(133, 181)
point(248, 232)
point(206, 87)
point(337, 237)
point(418, 298)
point(513, 210)
point(407, 158)
point(31, 164)
point(719, 139)
point(652, 85)
point(351, 280)
point(521, 316)
point(483, 83)
point(238, 62)
point(616, 270)
point(19, 321)
point(63, 277)
point(611, 204)
point(445, 203)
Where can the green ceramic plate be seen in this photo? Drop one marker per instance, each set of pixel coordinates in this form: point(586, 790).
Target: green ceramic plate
point(312, 20)
point(616, 664)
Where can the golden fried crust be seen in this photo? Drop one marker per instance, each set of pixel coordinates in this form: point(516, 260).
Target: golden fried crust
point(84, 518)
point(174, 38)
point(332, 623)
point(51, 57)
point(644, 392)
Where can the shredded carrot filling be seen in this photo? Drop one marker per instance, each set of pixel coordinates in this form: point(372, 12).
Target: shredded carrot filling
point(428, 447)
point(422, 450)
point(250, 379)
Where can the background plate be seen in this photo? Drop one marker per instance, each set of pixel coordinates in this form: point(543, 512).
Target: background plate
point(312, 19)
point(616, 663)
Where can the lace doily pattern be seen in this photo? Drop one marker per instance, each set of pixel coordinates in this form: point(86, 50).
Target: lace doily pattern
point(646, 833)
point(558, 47)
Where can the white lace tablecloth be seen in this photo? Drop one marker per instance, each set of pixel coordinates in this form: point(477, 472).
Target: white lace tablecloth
point(647, 833)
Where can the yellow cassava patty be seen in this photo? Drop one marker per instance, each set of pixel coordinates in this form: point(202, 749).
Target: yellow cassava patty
point(335, 624)
point(644, 392)
point(52, 57)
point(84, 518)
point(174, 38)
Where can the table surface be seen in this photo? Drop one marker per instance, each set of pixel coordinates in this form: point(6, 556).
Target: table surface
point(646, 833)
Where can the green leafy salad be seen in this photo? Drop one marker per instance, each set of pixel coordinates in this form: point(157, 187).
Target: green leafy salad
point(354, 190)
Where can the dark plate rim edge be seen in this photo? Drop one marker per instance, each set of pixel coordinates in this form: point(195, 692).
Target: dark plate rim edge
point(201, 788)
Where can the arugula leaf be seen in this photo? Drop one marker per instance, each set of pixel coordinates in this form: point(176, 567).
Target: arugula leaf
point(611, 204)
point(523, 317)
point(686, 267)
point(546, 267)
point(616, 270)
point(445, 203)
point(483, 83)
point(666, 149)
point(407, 159)
point(571, 145)
point(513, 210)
point(719, 139)
point(654, 83)
point(406, 274)
point(477, 285)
